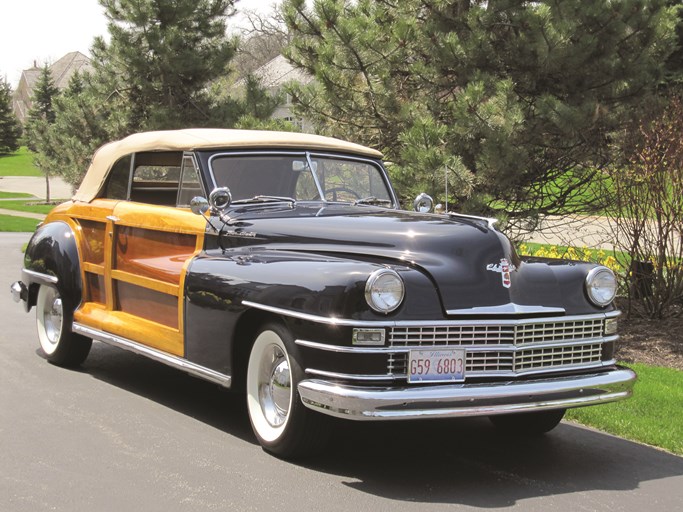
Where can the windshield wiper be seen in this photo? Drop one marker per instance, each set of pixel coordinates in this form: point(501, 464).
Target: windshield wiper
point(265, 199)
point(371, 200)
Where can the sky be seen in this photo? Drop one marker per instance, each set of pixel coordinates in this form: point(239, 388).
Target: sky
point(46, 30)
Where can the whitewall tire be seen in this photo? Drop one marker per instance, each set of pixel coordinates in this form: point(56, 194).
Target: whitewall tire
point(54, 316)
point(281, 422)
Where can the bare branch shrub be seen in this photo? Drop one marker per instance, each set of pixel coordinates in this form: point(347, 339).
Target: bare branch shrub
point(648, 211)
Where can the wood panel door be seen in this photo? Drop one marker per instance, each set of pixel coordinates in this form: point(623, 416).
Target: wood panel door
point(146, 253)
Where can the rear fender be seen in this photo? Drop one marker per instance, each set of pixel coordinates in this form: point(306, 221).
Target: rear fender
point(52, 258)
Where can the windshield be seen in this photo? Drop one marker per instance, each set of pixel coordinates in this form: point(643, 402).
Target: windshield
point(318, 178)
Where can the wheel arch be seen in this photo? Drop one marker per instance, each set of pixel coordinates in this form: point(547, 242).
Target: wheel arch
point(243, 337)
point(52, 257)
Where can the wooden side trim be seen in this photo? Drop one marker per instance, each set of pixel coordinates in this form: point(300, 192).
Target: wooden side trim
point(131, 327)
point(93, 268)
point(146, 282)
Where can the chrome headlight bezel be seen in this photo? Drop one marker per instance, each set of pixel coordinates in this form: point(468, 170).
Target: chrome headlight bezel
point(601, 286)
point(384, 290)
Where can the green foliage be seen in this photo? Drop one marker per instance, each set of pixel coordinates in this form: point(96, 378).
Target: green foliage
point(18, 164)
point(41, 116)
point(653, 415)
point(43, 95)
point(82, 124)
point(154, 73)
point(498, 97)
point(10, 131)
point(160, 57)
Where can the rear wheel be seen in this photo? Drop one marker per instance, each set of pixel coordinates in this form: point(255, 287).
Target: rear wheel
point(281, 422)
point(54, 316)
point(528, 423)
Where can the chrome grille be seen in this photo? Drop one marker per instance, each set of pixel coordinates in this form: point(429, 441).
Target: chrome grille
point(484, 334)
point(506, 349)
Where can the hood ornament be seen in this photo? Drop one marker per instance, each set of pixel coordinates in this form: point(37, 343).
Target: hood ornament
point(504, 267)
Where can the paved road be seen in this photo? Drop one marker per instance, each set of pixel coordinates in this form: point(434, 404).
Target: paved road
point(59, 189)
point(125, 433)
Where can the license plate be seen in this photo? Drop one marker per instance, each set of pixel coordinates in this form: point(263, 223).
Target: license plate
point(436, 365)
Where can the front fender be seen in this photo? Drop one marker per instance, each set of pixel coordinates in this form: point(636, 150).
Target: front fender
point(217, 284)
point(52, 253)
point(313, 284)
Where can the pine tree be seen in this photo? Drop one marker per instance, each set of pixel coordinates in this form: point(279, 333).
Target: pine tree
point(10, 130)
point(161, 56)
point(513, 101)
point(40, 117)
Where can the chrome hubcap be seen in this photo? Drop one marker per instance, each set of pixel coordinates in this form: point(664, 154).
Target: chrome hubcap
point(52, 317)
point(275, 386)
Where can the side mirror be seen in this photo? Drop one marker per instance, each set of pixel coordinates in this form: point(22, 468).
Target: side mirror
point(423, 203)
point(220, 199)
point(199, 205)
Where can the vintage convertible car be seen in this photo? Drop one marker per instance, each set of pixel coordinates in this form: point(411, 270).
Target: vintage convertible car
point(280, 264)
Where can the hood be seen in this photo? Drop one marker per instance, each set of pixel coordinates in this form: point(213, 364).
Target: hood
point(470, 263)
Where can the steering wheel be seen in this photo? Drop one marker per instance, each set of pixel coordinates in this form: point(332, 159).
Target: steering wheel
point(335, 190)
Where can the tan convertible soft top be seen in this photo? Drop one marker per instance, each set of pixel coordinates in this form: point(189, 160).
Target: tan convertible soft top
point(204, 138)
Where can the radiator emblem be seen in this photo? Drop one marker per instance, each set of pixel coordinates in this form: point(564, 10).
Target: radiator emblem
point(504, 267)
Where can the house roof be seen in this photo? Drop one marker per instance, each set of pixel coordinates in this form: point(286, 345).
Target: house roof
point(204, 138)
point(67, 66)
point(62, 71)
point(277, 72)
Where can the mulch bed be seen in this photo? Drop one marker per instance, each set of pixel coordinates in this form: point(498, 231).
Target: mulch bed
point(653, 342)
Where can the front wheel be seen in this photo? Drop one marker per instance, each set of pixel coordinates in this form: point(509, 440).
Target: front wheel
point(54, 316)
point(528, 423)
point(281, 422)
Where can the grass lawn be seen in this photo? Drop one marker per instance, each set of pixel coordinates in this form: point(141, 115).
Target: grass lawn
point(17, 224)
point(18, 164)
point(5, 195)
point(654, 415)
point(26, 206)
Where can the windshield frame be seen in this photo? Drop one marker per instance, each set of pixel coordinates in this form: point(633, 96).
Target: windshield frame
point(309, 156)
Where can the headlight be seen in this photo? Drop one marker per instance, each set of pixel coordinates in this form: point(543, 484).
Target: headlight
point(601, 286)
point(384, 290)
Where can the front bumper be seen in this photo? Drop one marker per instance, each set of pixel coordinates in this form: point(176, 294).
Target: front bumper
point(458, 400)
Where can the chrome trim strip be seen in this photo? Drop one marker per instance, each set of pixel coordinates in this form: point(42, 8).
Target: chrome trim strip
point(315, 318)
point(491, 221)
point(424, 323)
point(350, 376)
point(457, 400)
point(503, 347)
point(39, 277)
point(162, 357)
point(468, 374)
point(346, 350)
point(505, 309)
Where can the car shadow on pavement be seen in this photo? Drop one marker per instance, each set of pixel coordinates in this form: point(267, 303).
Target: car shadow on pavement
point(464, 461)
point(204, 401)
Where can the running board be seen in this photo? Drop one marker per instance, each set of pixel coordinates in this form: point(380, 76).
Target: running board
point(162, 357)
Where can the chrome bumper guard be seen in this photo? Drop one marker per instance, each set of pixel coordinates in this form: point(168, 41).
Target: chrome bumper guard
point(459, 400)
point(19, 291)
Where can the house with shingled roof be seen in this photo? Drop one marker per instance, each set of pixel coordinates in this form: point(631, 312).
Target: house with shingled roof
point(273, 76)
point(62, 71)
